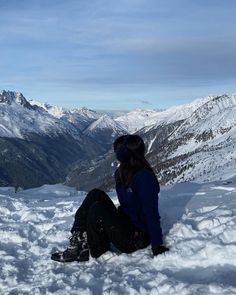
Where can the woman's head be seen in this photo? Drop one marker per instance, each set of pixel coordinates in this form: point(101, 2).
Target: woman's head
point(130, 152)
point(127, 147)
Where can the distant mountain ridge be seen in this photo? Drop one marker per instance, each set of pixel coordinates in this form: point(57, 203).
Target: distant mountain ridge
point(41, 144)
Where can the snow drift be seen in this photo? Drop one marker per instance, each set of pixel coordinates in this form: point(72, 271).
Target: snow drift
point(199, 225)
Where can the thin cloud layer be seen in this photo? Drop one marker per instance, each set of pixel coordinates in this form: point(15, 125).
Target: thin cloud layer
point(103, 50)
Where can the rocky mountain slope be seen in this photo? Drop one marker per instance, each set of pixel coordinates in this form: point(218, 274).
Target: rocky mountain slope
point(199, 148)
point(39, 143)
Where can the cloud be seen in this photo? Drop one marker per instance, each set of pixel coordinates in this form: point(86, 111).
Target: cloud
point(146, 102)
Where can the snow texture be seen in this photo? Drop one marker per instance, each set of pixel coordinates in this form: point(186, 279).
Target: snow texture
point(199, 225)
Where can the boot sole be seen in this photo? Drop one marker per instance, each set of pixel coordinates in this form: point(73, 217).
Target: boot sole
point(59, 259)
point(84, 256)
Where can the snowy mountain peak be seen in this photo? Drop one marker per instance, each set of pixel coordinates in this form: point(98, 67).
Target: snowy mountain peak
point(72, 114)
point(224, 101)
point(11, 97)
point(85, 112)
point(215, 113)
point(105, 122)
point(55, 111)
point(46, 106)
point(137, 119)
point(144, 112)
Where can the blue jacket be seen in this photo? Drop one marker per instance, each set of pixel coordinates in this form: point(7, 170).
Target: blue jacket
point(139, 201)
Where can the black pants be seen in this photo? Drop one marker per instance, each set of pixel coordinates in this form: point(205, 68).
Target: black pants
point(105, 224)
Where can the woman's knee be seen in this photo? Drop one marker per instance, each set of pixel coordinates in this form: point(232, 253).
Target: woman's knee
point(94, 191)
point(96, 210)
point(95, 194)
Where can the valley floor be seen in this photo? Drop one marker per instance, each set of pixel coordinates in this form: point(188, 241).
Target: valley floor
point(199, 224)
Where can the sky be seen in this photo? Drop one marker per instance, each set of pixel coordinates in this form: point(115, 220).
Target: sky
point(119, 55)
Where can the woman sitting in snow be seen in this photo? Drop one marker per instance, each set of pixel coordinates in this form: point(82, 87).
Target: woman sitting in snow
point(134, 224)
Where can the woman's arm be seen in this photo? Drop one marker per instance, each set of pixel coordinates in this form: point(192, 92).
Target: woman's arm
point(147, 188)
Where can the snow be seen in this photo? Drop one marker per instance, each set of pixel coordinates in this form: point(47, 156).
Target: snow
point(105, 122)
point(17, 121)
point(215, 114)
point(206, 142)
point(150, 144)
point(72, 115)
point(199, 226)
point(137, 119)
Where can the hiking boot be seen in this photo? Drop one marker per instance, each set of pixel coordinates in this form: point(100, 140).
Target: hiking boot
point(77, 250)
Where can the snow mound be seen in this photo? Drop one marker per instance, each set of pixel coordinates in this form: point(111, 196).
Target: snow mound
point(199, 225)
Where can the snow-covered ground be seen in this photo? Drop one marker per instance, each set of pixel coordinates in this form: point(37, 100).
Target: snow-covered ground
point(199, 223)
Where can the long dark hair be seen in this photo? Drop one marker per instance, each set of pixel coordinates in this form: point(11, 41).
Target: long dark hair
point(132, 148)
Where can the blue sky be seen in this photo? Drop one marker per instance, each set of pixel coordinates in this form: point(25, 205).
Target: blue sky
point(124, 54)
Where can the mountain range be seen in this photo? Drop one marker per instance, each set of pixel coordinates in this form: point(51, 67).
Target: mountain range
point(193, 142)
point(42, 144)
